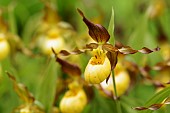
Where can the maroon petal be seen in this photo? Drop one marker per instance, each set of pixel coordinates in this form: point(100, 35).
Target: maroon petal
point(96, 31)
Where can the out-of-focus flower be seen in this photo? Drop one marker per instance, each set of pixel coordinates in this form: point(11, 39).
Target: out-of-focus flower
point(28, 108)
point(4, 45)
point(56, 110)
point(74, 99)
point(163, 77)
point(9, 42)
point(156, 8)
point(122, 81)
point(52, 40)
point(51, 32)
point(165, 50)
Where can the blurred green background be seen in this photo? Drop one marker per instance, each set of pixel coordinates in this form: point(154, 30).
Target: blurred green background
point(136, 25)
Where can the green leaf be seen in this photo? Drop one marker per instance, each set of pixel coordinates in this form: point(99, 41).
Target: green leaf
point(157, 98)
point(137, 37)
point(46, 91)
point(111, 28)
point(164, 21)
point(127, 102)
point(106, 104)
point(30, 27)
point(100, 104)
point(167, 110)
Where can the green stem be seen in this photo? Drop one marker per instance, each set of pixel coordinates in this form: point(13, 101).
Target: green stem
point(11, 16)
point(118, 106)
point(114, 84)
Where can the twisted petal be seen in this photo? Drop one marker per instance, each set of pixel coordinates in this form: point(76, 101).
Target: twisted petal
point(154, 106)
point(69, 68)
point(96, 31)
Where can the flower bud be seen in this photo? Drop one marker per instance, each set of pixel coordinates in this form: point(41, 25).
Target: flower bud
point(97, 69)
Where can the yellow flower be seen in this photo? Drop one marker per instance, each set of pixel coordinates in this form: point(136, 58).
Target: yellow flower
point(4, 47)
point(25, 110)
point(163, 77)
point(165, 50)
point(156, 8)
point(98, 68)
point(74, 100)
point(57, 44)
point(55, 110)
point(122, 80)
point(52, 40)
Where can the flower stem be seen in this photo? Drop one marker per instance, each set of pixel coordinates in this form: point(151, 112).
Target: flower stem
point(12, 21)
point(114, 84)
point(118, 106)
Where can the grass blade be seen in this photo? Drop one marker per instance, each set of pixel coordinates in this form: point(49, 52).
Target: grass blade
point(111, 28)
point(157, 98)
point(46, 92)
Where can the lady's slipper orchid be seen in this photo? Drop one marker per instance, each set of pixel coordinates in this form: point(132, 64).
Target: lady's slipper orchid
point(105, 59)
point(74, 99)
point(98, 68)
point(52, 40)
